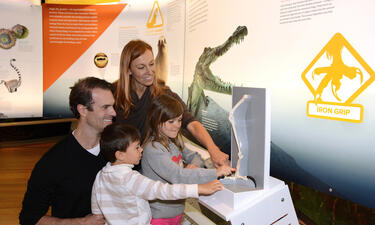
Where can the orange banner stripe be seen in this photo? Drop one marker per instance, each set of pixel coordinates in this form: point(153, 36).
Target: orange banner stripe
point(68, 31)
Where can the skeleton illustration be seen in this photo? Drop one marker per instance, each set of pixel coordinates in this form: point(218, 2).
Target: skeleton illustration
point(203, 76)
point(12, 85)
point(335, 72)
point(161, 60)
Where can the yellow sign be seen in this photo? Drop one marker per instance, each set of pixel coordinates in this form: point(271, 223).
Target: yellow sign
point(155, 19)
point(335, 80)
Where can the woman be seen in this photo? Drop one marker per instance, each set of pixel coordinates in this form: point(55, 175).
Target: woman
point(138, 85)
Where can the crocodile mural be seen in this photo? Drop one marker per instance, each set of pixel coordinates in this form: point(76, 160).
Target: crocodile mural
point(203, 76)
point(215, 119)
point(204, 108)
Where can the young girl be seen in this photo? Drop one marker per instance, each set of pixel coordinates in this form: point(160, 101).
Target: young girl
point(165, 157)
point(121, 193)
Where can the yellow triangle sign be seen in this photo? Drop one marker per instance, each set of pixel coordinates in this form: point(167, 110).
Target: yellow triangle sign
point(155, 19)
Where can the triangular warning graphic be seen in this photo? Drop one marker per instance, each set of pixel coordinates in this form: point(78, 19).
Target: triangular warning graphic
point(155, 19)
point(68, 31)
point(335, 77)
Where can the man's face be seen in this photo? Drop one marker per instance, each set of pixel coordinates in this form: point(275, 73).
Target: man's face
point(102, 109)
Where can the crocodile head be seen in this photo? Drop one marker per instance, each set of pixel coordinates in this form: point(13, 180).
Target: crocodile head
point(204, 76)
point(236, 38)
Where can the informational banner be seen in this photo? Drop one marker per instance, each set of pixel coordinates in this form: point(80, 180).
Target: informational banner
point(87, 40)
point(21, 75)
point(317, 58)
point(79, 2)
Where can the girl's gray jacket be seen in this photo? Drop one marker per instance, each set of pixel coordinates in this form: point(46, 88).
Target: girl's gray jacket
point(167, 166)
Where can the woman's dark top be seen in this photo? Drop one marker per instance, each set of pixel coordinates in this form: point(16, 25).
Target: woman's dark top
point(138, 113)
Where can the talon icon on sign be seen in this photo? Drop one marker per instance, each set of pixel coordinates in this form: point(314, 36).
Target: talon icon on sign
point(335, 80)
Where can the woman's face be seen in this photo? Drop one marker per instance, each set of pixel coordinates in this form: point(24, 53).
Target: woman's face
point(143, 69)
point(170, 128)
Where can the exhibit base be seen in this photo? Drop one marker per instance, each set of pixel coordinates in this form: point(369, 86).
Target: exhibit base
point(272, 205)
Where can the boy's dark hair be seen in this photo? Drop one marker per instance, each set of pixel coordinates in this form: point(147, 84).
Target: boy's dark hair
point(117, 137)
point(81, 93)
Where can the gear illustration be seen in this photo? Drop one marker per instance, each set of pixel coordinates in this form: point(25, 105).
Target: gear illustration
point(20, 31)
point(7, 38)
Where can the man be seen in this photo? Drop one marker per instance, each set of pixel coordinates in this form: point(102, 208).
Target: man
point(64, 176)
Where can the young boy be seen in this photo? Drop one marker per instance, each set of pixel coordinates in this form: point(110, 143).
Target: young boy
point(121, 193)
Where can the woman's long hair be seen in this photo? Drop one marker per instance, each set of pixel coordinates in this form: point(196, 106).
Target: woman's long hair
point(131, 51)
point(162, 109)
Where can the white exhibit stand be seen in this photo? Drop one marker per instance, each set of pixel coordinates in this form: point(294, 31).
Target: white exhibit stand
point(269, 202)
point(268, 206)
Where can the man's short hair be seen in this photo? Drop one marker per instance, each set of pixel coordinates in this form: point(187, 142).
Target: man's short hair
point(117, 137)
point(81, 93)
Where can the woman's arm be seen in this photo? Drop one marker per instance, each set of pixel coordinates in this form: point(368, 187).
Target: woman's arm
point(218, 157)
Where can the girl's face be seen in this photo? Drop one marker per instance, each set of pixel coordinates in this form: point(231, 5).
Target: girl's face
point(170, 128)
point(143, 69)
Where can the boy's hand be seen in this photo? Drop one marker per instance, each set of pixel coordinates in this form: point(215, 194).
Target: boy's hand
point(224, 171)
point(210, 187)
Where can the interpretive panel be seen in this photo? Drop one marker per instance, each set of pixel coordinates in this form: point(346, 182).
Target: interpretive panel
point(21, 76)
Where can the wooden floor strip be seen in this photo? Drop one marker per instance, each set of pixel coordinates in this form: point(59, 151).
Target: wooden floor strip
point(16, 162)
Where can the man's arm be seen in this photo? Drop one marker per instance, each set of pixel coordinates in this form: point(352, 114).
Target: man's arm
point(90, 219)
point(218, 157)
point(38, 195)
point(41, 189)
point(87, 220)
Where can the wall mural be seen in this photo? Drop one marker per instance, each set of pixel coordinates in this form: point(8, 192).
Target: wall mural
point(320, 75)
point(318, 67)
point(204, 108)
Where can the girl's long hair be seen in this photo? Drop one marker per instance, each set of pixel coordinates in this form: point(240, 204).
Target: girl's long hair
point(162, 109)
point(131, 51)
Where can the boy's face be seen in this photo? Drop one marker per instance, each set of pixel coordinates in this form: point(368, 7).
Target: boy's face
point(133, 153)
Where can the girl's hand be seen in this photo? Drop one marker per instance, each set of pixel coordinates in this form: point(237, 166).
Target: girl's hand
point(210, 187)
point(224, 171)
point(190, 166)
